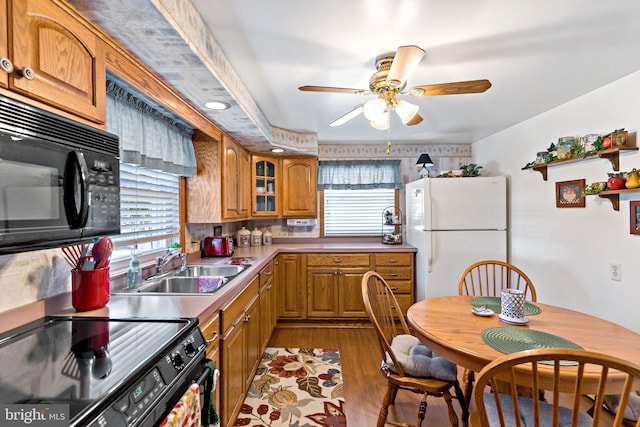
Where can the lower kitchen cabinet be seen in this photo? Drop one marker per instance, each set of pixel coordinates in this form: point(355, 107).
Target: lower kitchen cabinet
point(397, 269)
point(268, 304)
point(291, 286)
point(211, 331)
point(240, 350)
point(334, 285)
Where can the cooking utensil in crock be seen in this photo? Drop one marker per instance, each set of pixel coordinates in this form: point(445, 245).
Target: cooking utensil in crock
point(101, 252)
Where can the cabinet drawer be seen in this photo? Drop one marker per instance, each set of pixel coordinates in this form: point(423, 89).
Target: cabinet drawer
point(400, 286)
point(211, 330)
point(338, 260)
point(405, 302)
point(395, 273)
point(232, 311)
point(391, 259)
point(266, 274)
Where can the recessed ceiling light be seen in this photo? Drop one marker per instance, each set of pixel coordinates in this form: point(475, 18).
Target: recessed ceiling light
point(277, 150)
point(217, 105)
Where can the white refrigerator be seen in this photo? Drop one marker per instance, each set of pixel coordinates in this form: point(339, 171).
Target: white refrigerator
point(454, 222)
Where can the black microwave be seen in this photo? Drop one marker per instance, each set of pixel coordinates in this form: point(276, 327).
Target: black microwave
point(59, 180)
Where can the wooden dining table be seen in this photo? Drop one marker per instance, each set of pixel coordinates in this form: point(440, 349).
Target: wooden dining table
point(448, 327)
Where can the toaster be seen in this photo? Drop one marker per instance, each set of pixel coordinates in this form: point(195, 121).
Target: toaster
point(216, 246)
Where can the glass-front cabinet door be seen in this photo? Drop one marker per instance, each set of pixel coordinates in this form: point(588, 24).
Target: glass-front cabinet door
point(265, 186)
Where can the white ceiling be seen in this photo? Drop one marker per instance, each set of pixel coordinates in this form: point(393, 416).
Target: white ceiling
point(538, 54)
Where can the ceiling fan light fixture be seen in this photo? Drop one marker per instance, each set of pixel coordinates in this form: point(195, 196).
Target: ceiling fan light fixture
point(382, 124)
point(406, 111)
point(375, 110)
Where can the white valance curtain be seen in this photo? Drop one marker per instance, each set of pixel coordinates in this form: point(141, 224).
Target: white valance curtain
point(149, 138)
point(359, 174)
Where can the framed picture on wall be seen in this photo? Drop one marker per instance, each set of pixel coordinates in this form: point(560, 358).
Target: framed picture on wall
point(569, 194)
point(634, 217)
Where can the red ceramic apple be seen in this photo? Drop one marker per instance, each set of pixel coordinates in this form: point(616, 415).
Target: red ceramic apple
point(616, 182)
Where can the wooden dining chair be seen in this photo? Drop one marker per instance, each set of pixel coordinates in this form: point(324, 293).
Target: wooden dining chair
point(489, 277)
point(567, 386)
point(406, 363)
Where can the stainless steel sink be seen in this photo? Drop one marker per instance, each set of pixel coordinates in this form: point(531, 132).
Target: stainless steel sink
point(184, 285)
point(212, 270)
point(195, 279)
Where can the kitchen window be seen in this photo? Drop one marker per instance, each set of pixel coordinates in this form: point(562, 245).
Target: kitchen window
point(354, 194)
point(355, 212)
point(149, 210)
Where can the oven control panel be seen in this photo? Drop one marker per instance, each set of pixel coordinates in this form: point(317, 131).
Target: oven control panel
point(153, 395)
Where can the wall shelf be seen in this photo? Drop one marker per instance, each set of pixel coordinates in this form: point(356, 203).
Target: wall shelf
point(614, 196)
point(611, 154)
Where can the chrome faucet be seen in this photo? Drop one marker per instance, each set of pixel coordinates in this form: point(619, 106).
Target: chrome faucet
point(167, 259)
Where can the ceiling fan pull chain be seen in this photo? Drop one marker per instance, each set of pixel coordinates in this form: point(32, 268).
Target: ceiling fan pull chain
point(388, 141)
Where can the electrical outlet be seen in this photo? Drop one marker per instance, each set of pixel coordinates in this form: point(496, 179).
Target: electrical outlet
point(616, 272)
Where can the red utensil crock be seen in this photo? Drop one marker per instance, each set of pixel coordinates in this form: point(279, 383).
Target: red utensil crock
point(89, 289)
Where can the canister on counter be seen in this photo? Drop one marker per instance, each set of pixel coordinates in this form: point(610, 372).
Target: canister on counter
point(267, 237)
point(243, 238)
point(256, 237)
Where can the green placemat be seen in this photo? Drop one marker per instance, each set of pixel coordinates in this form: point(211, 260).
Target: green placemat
point(494, 304)
point(509, 340)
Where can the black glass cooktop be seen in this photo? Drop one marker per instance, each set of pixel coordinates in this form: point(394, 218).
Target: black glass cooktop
point(81, 361)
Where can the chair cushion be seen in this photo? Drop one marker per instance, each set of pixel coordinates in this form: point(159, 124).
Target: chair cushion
point(418, 361)
point(526, 413)
point(632, 411)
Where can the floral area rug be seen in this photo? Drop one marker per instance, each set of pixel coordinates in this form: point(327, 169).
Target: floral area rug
point(296, 387)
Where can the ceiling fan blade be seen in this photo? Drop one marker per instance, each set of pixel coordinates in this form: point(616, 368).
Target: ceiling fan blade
point(453, 88)
point(334, 90)
point(344, 119)
point(415, 120)
point(405, 61)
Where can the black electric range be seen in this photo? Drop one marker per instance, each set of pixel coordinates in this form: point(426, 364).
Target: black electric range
point(104, 372)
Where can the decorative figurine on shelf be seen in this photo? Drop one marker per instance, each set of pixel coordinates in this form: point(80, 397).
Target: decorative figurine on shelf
point(388, 216)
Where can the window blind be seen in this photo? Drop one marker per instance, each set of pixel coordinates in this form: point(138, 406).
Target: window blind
point(149, 206)
point(355, 212)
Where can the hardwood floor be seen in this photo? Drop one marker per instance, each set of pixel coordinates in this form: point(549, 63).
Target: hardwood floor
point(364, 387)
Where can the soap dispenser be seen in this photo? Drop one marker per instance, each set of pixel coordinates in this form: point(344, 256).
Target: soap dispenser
point(134, 273)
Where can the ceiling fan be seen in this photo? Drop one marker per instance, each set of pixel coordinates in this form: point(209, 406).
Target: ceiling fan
point(390, 80)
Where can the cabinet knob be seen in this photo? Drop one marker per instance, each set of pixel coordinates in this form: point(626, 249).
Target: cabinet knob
point(247, 318)
point(6, 65)
point(391, 261)
point(337, 261)
point(26, 73)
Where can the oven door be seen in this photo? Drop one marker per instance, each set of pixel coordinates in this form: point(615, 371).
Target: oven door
point(44, 196)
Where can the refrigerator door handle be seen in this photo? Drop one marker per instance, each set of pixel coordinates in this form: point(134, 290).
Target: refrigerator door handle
point(430, 256)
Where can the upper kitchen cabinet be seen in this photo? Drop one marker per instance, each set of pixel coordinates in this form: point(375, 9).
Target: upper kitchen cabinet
point(6, 66)
point(299, 187)
point(265, 186)
point(236, 164)
point(53, 57)
point(203, 190)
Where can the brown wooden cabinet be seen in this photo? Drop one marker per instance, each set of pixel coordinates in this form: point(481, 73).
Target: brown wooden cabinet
point(268, 304)
point(56, 58)
point(397, 269)
point(211, 330)
point(5, 62)
point(334, 285)
point(291, 286)
point(240, 349)
point(300, 187)
point(265, 186)
point(204, 189)
point(236, 164)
